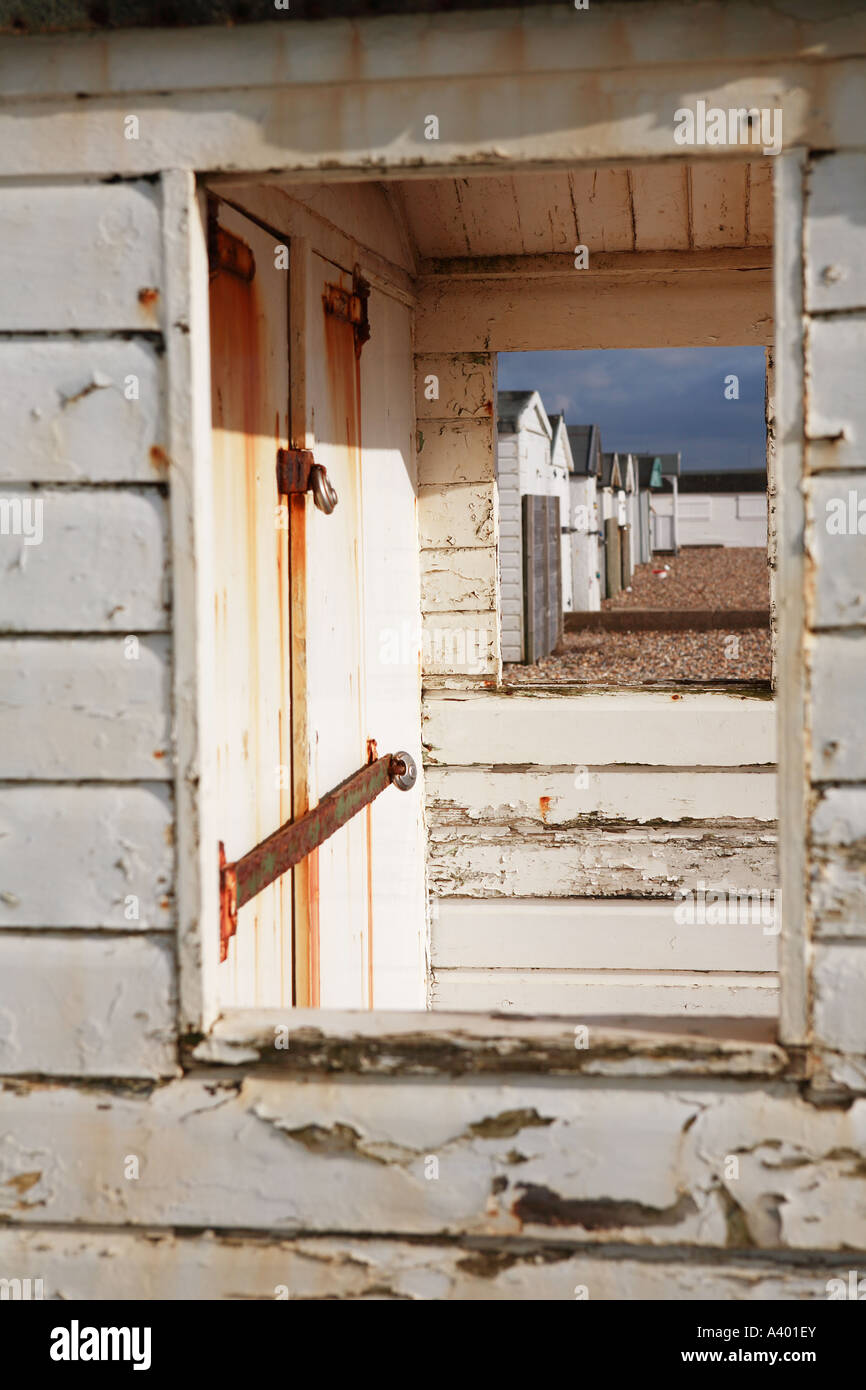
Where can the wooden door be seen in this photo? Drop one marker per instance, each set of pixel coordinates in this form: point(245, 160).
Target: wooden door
point(542, 576)
point(250, 405)
point(336, 645)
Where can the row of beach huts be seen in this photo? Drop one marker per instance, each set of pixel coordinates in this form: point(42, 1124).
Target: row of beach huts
point(575, 520)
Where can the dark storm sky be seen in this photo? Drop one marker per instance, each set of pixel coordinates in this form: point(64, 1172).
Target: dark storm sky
point(654, 400)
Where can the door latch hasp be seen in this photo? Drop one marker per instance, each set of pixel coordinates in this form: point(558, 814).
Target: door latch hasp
point(297, 471)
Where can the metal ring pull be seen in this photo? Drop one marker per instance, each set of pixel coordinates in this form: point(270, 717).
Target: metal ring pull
point(324, 492)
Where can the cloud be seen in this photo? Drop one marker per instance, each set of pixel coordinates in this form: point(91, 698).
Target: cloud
point(657, 399)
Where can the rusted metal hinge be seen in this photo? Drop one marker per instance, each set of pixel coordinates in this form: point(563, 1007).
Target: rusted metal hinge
point(351, 306)
point(226, 251)
point(297, 471)
point(242, 880)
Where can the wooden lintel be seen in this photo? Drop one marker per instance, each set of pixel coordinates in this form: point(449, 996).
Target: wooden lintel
point(635, 263)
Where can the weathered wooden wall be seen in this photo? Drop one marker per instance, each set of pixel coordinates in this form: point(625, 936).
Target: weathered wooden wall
point(509, 1164)
point(87, 851)
point(457, 514)
point(835, 643)
point(306, 1170)
point(567, 807)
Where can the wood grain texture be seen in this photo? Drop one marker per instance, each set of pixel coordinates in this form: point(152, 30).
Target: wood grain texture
point(582, 994)
point(838, 731)
point(458, 451)
point(627, 934)
point(97, 562)
point(598, 729)
point(111, 850)
point(835, 213)
point(465, 383)
point(458, 581)
point(60, 243)
point(516, 860)
point(651, 1172)
point(565, 796)
point(251, 598)
point(835, 407)
point(789, 589)
point(462, 515)
point(86, 410)
point(87, 1006)
point(130, 1265)
point(718, 204)
point(79, 709)
point(681, 309)
point(836, 544)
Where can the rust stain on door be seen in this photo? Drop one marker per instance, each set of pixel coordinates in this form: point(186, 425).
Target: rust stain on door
point(343, 366)
point(249, 364)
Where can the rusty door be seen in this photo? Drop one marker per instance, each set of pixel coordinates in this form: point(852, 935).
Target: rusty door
point(336, 643)
point(250, 405)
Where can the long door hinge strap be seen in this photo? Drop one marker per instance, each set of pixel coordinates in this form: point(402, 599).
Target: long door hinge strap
point(351, 306)
point(242, 880)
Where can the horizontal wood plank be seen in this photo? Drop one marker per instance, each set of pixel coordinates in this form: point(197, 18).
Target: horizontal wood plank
point(458, 581)
point(838, 666)
point(838, 549)
point(109, 850)
point(86, 1006)
point(651, 862)
point(585, 935)
point(839, 984)
point(135, 1266)
point(838, 884)
point(90, 561)
point(79, 709)
point(590, 310)
point(81, 256)
point(461, 516)
point(635, 728)
point(459, 644)
point(640, 1162)
point(561, 797)
point(462, 386)
point(835, 214)
point(261, 55)
point(86, 410)
point(459, 451)
point(835, 403)
point(584, 994)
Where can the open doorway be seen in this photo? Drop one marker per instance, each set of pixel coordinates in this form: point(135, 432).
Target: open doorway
point(565, 824)
point(657, 567)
